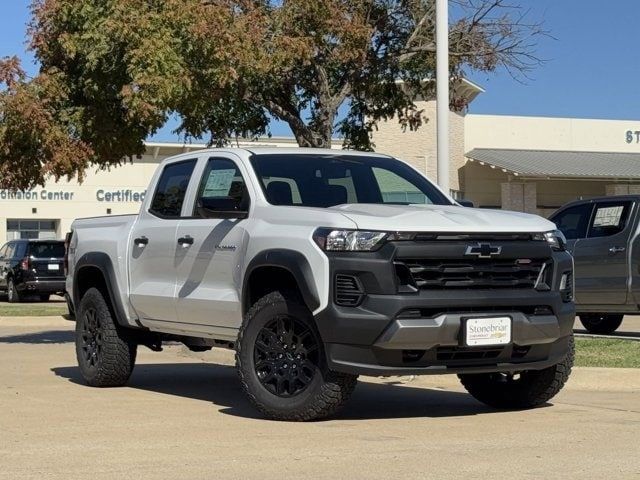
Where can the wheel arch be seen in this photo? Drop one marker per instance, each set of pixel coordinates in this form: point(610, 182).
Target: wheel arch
point(95, 269)
point(283, 269)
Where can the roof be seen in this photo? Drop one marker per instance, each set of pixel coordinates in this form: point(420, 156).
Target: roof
point(557, 163)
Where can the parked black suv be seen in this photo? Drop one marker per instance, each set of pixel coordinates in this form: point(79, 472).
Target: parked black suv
point(32, 267)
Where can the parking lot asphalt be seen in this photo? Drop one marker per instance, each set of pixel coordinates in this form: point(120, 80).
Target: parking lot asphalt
point(184, 416)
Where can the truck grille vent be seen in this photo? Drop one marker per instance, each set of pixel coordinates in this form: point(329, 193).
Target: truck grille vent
point(348, 291)
point(436, 274)
point(464, 353)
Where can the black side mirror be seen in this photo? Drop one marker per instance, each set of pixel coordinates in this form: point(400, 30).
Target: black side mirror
point(466, 203)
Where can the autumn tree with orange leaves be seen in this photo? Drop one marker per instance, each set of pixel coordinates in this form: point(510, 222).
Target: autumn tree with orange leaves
point(113, 71)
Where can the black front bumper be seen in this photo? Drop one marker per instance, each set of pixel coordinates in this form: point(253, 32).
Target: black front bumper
point(421, 332)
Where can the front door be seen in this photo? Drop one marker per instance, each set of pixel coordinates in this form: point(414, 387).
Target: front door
point(601, 259)
point(211, 245)
point(153, 245)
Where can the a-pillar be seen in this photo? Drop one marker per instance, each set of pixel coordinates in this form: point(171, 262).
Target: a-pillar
point(520, 197)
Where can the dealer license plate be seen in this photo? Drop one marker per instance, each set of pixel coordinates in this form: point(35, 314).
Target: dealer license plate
point(487, 331)
point(53, 266)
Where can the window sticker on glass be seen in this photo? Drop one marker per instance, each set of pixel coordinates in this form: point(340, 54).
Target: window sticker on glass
point(219, 183)
point(608, 216)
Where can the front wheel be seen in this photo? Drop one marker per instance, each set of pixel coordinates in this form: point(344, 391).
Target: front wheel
point(527, 389)
point(281, 362)
point(105, 354)
point(45, 298)
point(601, 324)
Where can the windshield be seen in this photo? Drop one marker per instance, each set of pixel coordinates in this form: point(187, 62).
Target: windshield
point(328, 180)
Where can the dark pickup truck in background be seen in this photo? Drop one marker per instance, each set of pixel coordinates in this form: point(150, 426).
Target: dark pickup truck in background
point(602, 235)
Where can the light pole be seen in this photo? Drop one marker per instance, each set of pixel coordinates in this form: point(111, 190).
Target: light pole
point(442, 92)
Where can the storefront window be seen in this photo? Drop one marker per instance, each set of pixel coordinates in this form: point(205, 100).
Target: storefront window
point(32, 229)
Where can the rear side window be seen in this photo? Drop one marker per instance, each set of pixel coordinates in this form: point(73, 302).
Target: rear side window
point(11, 250)
point(47, 250)
point(609, 219)
point(172, 188)
point(573, 222)
point(21, 250)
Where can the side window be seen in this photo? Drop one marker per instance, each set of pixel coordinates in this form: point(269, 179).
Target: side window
point(222, 190)
point(3, 251)
point(21, 250)
point(11, 250)
point(574, 221)
point(172, 187)
point(609, 218)
point(395, 189)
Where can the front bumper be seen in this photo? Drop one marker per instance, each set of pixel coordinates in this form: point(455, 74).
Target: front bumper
point(422, 332)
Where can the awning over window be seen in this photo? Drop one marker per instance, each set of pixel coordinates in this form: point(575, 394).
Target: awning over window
point(563, 164)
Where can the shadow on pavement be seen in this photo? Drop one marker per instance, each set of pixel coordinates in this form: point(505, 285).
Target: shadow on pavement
point(220, 385)
point(50, 336)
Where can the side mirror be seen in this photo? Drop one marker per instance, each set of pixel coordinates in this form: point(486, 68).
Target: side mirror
point(466, 203)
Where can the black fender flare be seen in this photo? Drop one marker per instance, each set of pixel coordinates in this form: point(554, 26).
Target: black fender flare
point(102, 262)
point(292, 261)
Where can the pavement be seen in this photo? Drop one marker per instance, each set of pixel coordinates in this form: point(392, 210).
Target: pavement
point(183, 416)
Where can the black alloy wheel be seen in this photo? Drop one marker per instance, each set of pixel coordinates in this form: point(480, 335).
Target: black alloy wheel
point(286, 356)
point(91, 337)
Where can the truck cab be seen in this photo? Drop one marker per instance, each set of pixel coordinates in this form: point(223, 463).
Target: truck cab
point(602, 236)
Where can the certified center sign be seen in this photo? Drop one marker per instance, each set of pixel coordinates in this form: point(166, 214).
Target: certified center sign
point(487, 331)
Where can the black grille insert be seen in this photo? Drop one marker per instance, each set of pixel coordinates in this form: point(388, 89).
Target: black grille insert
point(348, 291)
point(465, 353)
point(463, 273)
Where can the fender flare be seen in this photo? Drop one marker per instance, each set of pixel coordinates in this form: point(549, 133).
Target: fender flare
point(102, 262)
point(292, 261)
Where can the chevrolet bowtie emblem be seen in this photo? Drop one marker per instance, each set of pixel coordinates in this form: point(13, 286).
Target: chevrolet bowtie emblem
point(483, 250)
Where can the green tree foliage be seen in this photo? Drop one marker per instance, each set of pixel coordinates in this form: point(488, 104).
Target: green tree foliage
point(113, 71)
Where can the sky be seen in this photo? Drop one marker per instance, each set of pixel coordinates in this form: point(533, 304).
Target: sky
point(592, 66)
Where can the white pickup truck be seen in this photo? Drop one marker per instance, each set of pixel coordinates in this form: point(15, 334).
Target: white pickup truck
point(317, 266)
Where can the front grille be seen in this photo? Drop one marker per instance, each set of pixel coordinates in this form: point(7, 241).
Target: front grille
point(348, 291)
point(463, 273)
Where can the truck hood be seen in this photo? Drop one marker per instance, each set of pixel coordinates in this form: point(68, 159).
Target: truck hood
point(441, 218)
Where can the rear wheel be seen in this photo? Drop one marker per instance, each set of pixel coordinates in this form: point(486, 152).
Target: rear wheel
point(523, 390)
point(44, 298)
point(12, 293)
point(599, 323)
point(281, 362)
point(105, 354)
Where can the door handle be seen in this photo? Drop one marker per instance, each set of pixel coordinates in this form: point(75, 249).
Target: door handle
point(186, 240)
point(141, 241)
point(614, 250)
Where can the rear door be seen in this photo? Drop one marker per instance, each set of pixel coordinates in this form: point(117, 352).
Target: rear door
point(46, 259)
point(210, 245)
point(153, 248)
point(601, 259)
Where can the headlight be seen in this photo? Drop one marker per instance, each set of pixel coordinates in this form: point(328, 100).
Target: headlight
point(555, 239)
point(348, 240)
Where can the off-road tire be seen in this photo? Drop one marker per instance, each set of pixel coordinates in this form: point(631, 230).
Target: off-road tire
point(113, 362)
point(13, 296)
point(531, 389)
point(601, 324)
point(44, 298)
point(324, 395)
